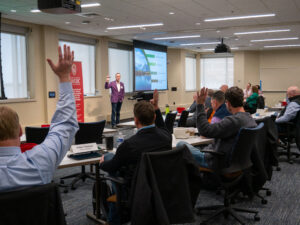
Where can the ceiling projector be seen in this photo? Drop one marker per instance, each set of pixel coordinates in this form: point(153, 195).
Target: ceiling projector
point(222, 48)
point(60, 6)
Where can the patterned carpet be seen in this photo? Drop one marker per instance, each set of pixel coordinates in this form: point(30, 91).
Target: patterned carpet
point(283, 205)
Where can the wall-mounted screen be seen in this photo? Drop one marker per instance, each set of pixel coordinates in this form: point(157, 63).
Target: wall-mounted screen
point(150, 67)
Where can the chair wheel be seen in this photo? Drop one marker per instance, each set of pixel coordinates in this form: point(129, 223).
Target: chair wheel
point(202, 223)
point(264, 201)
point(291, 162)
point(66, 191)
point(62, 181)
point(218, 192)
point(256, 218)
point(278, 168)
point(73, 188)
point(232, 201)
point(269, 193)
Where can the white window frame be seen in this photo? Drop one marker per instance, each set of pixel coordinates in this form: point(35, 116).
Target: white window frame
point(20, 31)
point(190, 73)
point(228, 81)
point(83, 41)
point(124, 74)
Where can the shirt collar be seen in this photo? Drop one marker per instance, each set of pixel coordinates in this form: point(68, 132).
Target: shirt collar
point(7, 151)
point(146, 127)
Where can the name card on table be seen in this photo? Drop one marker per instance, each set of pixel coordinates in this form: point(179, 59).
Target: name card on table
point(83, 148)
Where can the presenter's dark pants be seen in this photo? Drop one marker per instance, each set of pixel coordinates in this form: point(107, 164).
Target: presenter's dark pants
point(115, 114)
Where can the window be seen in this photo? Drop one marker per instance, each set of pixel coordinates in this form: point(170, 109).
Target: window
point(84, 51)
point(120, 61)
point(14, 64)
point(216, 71)
point(190, 73)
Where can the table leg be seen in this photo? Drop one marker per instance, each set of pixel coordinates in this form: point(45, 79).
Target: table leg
point(97, 192)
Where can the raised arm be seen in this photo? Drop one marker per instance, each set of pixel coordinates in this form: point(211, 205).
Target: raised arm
point(107, 83)
point(159, 121)
point(48, 155)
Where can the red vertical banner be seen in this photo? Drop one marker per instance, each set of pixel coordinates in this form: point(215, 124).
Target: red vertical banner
point(77, 84)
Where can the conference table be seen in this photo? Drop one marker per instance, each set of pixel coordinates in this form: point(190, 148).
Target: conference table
point(69, 162)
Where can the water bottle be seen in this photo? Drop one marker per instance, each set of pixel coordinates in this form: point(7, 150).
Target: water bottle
point(167, 109)
point(120, 139)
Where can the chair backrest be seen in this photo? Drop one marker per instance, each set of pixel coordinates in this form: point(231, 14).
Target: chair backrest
point(183, 117)
point(168, 178)
point(90, 132)
point(169, 121)
point(34, 205)
point(297, 137)
point(240, 157)
point(36, 134)
point(260, 102)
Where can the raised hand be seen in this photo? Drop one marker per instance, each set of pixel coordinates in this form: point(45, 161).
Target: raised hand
point(154, 101)
point(107, 78)
point(195, 96)
point(201, 95)
point(63, 67)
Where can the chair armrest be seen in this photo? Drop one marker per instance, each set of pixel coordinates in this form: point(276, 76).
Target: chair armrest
point(213, 152)
point(117, 180)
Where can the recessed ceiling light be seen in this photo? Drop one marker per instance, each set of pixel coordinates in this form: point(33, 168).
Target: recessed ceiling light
point(88, 5)
point(176, 37)
point(236, 39)
point(106, 31)
point(262, 32)
point(135, 26)
point(85, 22)
point(106, 18)
point(275, 39)
point(239, 17)
point(13, 10)
point(171, 13)
point(202, 43)
point(197, 24)
point(67, 22)
point(143, 28)
point(234, 48)
point(35, 11)
point(218, 31)
point(281, 46)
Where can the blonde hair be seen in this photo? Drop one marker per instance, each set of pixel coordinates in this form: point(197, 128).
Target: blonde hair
point(9, 124)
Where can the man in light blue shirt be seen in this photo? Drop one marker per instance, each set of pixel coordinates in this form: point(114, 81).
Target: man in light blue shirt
point(293, 107)
point(37, 166)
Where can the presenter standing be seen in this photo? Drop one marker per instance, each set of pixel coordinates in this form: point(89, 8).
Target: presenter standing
point(117, 96)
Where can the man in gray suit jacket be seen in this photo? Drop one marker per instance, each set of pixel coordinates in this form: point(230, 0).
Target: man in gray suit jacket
point(117, 96)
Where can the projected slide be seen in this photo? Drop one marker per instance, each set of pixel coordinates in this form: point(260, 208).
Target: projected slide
point(150, 70)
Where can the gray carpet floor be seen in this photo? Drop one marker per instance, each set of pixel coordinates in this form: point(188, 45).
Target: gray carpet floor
point(283, 205)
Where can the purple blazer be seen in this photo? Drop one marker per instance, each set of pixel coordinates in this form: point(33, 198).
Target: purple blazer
point(115, 95)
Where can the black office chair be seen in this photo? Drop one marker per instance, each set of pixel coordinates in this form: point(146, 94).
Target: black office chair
point(34, 205)
point(87, 133)
point(183, 117)
point(169, 121)
point(36, 134)
point(234, 178)
point(174, 186)
point(289, 135)
point(260, 102)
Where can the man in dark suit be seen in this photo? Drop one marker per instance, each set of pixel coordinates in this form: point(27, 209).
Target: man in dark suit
point(117, 96)
point(152, 136)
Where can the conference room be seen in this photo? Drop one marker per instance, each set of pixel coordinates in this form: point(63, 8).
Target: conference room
point(131, 56)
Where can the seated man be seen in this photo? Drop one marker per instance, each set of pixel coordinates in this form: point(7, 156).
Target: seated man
point(152, 136)
point(290, 111)
point(219, 106)
point(225, 131)
point(37, 166)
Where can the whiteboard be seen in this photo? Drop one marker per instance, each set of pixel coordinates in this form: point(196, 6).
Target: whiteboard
point(279, 79)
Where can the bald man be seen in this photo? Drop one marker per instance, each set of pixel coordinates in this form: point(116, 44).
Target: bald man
point(293, 107)
point(224, 88)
